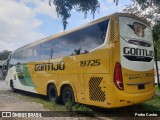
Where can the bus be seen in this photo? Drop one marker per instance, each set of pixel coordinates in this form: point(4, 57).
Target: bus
point(107, 63)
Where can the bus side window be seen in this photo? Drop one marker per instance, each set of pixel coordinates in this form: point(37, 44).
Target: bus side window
point(93, 36)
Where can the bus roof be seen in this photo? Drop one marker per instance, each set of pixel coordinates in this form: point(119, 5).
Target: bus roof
point(84, 26)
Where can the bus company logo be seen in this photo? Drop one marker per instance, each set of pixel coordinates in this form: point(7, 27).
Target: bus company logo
point(50, 66)
point(137, 54)
point(138, 29)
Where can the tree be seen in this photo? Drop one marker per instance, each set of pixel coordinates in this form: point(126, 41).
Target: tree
point(64, 7)
point(4, 54)
point(156, 37)
point(148, 3)
point(150, 10)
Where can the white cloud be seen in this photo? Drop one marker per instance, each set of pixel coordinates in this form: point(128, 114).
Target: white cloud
point(42, 7)
point(18, 22)
point(109, 1)
point(108, 7)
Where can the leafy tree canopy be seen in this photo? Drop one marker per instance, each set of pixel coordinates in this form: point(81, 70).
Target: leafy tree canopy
point(156, 38)
point(64, 7)
point(150, 10)
point(156, 32)
point(4, 54)
point(148, 3)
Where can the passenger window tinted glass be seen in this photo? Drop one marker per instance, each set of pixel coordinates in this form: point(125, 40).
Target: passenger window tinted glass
point(17, 57)
point(13, 60)
point(54, 48)
point(41, 52)
point(68, 44)
point(83, 41)
point(78, 42)
point(93, 36)
point(27, 53)
point(47, 50)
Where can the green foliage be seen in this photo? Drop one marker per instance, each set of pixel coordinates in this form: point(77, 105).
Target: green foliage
point(157, 46)
point(147, 3)
point(157, 89)
point(69, 105)
point(4, 54)
point(64, 8)
point(38, 99)
point(151, 11)
point(81, 108)
point(156, 32)
point(156, 38)
point(152, 105)
point(78, 108)
point(116, 1)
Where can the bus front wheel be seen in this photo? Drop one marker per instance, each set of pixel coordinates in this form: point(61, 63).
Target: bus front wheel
point(68, 95)
point(52, 93)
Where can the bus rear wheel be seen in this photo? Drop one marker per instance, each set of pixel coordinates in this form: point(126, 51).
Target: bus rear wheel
point(52, 93)
point(68, 95)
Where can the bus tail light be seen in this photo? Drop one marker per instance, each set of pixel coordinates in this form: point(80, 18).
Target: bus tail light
point(118, 79)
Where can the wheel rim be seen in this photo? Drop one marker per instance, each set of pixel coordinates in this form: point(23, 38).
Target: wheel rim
point(52, 93)
point(68, 96)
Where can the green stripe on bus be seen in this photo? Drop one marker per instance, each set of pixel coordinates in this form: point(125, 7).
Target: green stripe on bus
point(24, 75)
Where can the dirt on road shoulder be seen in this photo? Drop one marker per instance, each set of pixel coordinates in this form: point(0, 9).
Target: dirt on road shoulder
point(12, 102)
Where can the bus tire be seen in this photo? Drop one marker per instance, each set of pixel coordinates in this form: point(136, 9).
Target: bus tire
point(12, 86)
point(68, 95)
point(52, 93)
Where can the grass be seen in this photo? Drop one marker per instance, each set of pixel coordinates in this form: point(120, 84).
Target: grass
point(157, 89)
point(150, 106)
point(40, 99)
point(154, 104)
point(47, 104)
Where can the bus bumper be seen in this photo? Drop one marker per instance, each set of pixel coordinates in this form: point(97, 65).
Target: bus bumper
point(126, 99)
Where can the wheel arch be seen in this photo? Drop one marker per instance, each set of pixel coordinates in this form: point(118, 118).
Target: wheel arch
point(67, 83)
point(51, 82)
point(10, 82)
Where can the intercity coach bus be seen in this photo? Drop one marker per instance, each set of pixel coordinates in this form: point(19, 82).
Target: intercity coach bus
point(107, 63)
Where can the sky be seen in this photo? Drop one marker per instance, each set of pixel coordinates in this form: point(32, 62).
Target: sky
point(25, 21)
